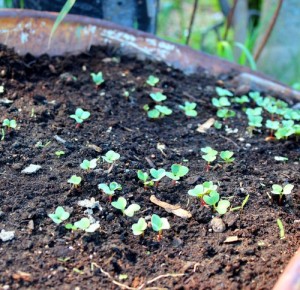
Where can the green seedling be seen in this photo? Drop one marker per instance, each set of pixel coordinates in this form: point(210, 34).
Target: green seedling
point(287, 129)
point(281, 158)
point(111, 156)
point(159, 112)
point(218, 125)
point(59, 153)
point(144, 176)
point(83, 224)
point(201, 189)
point(110, 189)
point(225, 113)
point(2, 134)
point(121, 205)
point(220, 103)
point(157, 175)
point(40, 144)
point(177, 171)
point(255, 96)
point(152, 80)
point(88, 165)
point(189, 109)
point(97, 78)
point(210, 155)
point(227, 156)
point(60, 215)
point(254, 122)
point(242, 205)
point(281, 229)
point(254, 112)
point(159, 224)
point(213, 198)
point(158, 97)
point(75, 180)
point(241, 100)
point(139, 227)
point(281, 191)
point(273, 126)
point(223, 92)
point(80, 115)
point(10, 124)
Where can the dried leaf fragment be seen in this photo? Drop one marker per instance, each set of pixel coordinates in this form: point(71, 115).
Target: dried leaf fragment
point(175, 209)
point(231, 239)
point(22, 276)
point(202, 128)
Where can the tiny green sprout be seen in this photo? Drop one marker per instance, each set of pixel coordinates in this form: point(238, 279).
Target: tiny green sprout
point(110, 189)
point(75, 180)
point(80, 115)
point(159, 112)
point(10, 124)
point(97, 78)
point(139, 227)
point(281, 158)
point(159, 224)
point(88, 165)
point(213, 198)
point(158, 97)
point(223, 92)
point(227, 156)
point(121, 205)
point(2, 134)
point(225, 113)
point(220, 103)
point(255, 121)
point(59, 153)
point(242, 205)
point(111, 156)
point(254, 112)
point(281, 191)
point(255, 96)
point(241, 100)
point(281, 229)
point(152, 80)
point(144, 176)
point(210, 155)
point(284, 132)
point(218, 125)
point(177, 171)
point(273, 125)
point(189, 109)
point(201, 189)
point(85, 225)
point(157, 174)
point(270, 108)
point(60, 215)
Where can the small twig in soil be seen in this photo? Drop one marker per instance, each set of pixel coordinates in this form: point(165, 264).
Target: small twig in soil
point(228, 139)
point(150, 162)
point(110, 169)
point(59, 139)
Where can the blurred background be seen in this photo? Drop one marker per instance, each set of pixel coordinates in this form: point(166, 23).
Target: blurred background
point(261, 34)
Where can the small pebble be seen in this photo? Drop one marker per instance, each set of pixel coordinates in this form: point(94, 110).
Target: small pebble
point(217, 225)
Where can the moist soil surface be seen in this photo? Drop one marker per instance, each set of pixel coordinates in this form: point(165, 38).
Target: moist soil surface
point(190, 255)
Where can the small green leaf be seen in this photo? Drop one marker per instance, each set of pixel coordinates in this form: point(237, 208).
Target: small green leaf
point(212, 198)
point(120, 203)
point(74, 180)
point(222, 207)
point(83, 224)
point(131, 209)
point(157, 174)
point(158, 97)
point(139, 227)
point(60, 215)
point(111, 156)
point(159, 224)
point(152, 80)
point(97, 78)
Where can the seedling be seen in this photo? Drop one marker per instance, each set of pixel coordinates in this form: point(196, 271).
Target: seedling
point(80, 115)
point(83, 224)
point(223, 92)
point(254, 122)
point(254, 112)
point(177, 171)
point(217, 125)
point(159, 224)
point(60, 215)
point(281, 191)
point(241, 100)
point(242, 205)
point(110, 189)
point(88, 165)
point(201, 189)
point(281, 229)
point(281, 158)
point(189, 109)
point(158, 97)
point(139, 227)
point(225, 113)
point(144, 176)
point(273, 126)
point(97, 78)
point(10, 124)
point(152, 80)
point(111, 156)
point(121, 205)
point(286, 130)
point(59, 153)
point(75, 180)
point(227, 156)
point(210, 155)
point(213, 198)
point(157, 175)
point(220, 103)
point(255, 96)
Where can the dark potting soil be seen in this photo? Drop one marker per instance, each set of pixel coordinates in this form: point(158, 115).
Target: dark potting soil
point(44, 255)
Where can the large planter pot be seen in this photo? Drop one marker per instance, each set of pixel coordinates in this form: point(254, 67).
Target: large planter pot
point(24, 29)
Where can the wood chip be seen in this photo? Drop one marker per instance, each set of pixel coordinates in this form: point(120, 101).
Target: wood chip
point(202, 128)
point(22, 276)
point(95, 147)
point(231, 239)
point(175, 209)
